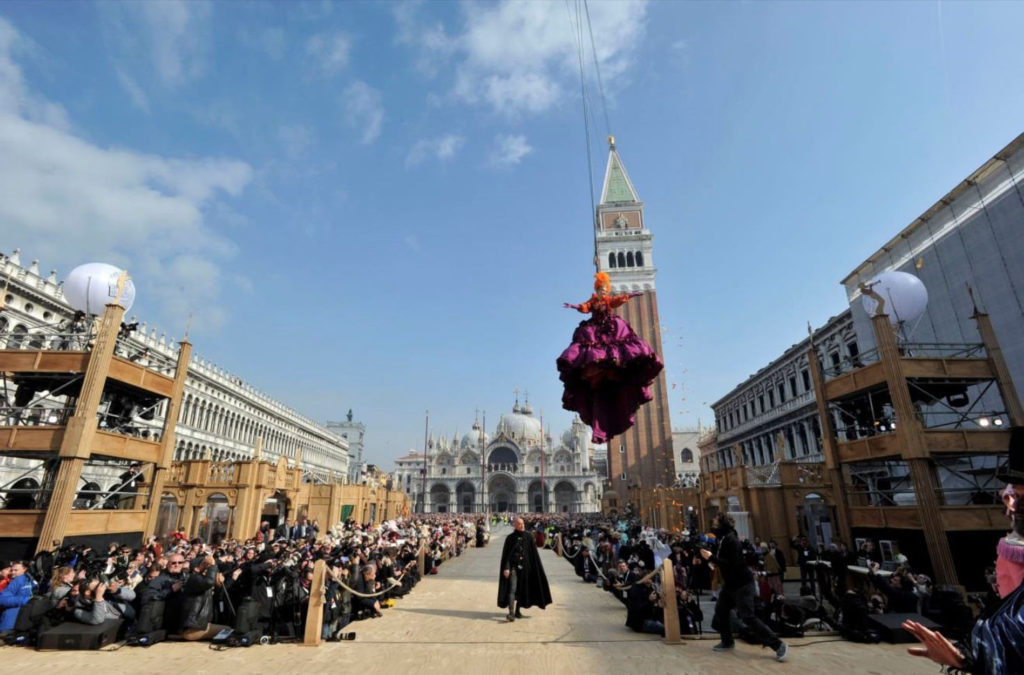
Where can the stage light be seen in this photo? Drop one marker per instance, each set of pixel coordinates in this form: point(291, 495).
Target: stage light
point(905, 295)
point(91, 286)
point(982, 421)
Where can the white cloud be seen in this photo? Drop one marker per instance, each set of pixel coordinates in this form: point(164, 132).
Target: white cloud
point(434, 44)
point(173, 34)
point(522, 57)
point(509, 150)
point(362, 108)
point(442, 149)
point(69, 200)
point(135, 92)
point(331, 52)
point(15, 98)
point(296, 139)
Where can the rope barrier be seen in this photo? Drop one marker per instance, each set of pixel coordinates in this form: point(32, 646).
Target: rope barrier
point(601, 573)
point(640, 581)
point(393, 582)
point(397, 581)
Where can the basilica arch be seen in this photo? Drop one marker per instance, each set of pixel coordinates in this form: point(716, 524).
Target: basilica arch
point(536, 501)
point(440, 497)
point(503, 458)
point(502, 492)
point(465, 497)
point(565, 497)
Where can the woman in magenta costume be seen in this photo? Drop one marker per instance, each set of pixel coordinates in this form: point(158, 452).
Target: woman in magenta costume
point(608, 369)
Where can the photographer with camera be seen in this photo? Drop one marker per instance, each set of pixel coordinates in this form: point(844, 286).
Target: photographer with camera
point(644, 613)
point(197, 601)
point(287, 609)
point(102, 600)
point(337, 603)
point(251, 591)
point(161, 603)
point(690, 614)
point(367, 607)
point(620, 582)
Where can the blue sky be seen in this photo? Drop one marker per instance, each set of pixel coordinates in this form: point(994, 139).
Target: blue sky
point(382, 206)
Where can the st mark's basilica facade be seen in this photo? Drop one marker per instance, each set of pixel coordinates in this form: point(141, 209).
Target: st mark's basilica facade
point(520, 469)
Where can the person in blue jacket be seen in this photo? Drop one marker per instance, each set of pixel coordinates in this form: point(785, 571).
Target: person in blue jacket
point(18, 592)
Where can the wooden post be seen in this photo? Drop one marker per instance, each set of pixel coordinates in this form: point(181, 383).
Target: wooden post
point(559, 551)
point(668, 600)
point(421, 559)
point(910, 436)
point(833, 464)
point(315, 610)
point(80, 431)
point(161, 468)
point(1004, 381)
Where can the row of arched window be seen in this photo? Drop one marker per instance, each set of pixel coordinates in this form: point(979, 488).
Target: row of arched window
point(218, 420)
point(17, 336)
point(188, 450)
point(626, 259)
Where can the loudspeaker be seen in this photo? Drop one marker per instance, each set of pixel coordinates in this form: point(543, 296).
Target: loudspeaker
point(72, 635)
point(888, 626)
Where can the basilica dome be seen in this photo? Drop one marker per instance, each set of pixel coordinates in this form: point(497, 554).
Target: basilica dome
point(521, 426)
point(472, 439)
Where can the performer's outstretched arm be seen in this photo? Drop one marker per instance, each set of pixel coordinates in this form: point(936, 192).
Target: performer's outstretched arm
point(619, 300)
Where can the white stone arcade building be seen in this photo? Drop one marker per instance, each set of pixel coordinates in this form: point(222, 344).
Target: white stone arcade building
point(510, 475)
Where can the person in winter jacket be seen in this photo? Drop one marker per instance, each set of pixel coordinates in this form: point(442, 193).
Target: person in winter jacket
point(197, 601)
point(17, 593)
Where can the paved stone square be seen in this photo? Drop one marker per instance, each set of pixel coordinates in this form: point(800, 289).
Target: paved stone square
point(451, 624)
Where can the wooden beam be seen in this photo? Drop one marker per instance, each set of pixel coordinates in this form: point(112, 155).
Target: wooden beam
point(669, 604)
point(315, 610)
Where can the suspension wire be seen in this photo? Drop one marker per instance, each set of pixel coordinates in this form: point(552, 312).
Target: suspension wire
point(597, 70)
point(577, 27)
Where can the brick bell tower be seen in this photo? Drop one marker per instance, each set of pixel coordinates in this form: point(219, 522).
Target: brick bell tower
point(642, 456)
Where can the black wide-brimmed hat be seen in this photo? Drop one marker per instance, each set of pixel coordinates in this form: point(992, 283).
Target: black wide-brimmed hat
point(1013, 472)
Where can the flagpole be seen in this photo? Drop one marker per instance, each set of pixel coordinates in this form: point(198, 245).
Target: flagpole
point(423, 480)
point(543, 489)
point(483, 464)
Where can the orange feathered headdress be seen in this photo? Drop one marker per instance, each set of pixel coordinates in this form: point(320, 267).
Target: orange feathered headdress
point(602, 281)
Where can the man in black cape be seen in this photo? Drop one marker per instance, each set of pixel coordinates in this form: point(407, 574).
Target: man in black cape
point(522, 582)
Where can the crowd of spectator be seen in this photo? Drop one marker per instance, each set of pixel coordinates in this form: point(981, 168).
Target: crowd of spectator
point(234, 593)
point(838, 589)
point(257, 590)
point(623, 558)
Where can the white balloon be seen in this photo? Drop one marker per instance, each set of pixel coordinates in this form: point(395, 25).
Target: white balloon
point(92, 286)
point(905, 296)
